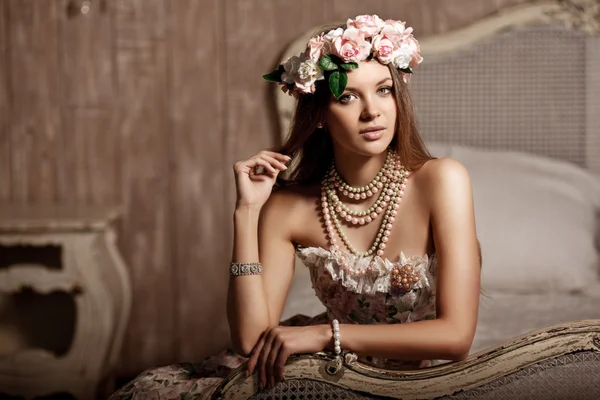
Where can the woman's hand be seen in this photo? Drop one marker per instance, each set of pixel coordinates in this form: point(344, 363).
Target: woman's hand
point(255, 177)
point(278, 343)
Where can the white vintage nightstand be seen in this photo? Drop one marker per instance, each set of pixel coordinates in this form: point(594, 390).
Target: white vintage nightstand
point(65, 299)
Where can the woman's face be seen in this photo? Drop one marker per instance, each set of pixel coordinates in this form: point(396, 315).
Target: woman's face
point(363, 119)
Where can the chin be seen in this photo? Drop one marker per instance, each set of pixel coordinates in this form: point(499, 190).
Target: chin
point(366, 148)
point(373, 148)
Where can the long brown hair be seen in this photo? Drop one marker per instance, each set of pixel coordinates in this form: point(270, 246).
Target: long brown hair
point(312, 148)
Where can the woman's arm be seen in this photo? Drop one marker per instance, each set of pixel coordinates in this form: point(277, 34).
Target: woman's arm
point(446, 183)
point(255, 302)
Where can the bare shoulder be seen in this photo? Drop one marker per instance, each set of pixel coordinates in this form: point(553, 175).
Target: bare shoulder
point(443, 179)
point(289, 198)
point(441, 171)
point(289, 206)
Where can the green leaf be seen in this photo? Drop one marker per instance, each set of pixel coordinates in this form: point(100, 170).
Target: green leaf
point(274, 76)
point(336, 59)
point(337, 82)
point(406, 70)
point(327, 63)
point(350, 65)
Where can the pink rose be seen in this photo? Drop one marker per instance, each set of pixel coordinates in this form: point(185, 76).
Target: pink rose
point(385, 48)
point(415, 49)
point(395, 28)
point(351, 46)
point(316, 47)
point(368, 25)
point(306, 87)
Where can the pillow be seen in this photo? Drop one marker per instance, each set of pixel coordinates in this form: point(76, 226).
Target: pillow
point(536, 218)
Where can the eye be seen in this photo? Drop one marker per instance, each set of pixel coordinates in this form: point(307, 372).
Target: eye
point(385, 90)
point(345, 98)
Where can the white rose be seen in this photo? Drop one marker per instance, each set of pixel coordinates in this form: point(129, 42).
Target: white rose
point(291, 67)
point(333, 34)
point(403, 56)
point(309, 71)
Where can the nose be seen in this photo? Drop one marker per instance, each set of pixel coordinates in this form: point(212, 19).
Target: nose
point(370, 110)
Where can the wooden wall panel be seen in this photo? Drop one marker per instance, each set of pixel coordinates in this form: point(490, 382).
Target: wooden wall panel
point(256, 35)
point(89, 161)
point(86, 56)
point(35, 118)
point(89, 157)
point(5, 161)
point(148, 103)
point(143, 132)
point(425, 16)
point(199, 175)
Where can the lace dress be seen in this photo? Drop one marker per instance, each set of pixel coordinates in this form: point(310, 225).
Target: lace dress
point(352, 292)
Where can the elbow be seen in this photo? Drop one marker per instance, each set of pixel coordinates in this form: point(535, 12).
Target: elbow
point(460, 356)
point(242, 346)
point(459, 348)
point(244, 342)
point(241, 349)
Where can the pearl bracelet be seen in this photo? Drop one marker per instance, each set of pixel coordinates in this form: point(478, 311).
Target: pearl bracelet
point(240, 269)
point(336, 337)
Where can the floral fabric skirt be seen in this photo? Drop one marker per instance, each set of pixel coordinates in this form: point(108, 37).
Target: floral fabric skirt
point(185, 381)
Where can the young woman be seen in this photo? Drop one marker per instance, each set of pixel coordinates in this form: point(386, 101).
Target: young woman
point(387, 231)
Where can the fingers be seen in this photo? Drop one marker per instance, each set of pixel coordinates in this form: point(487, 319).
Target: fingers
point(262, 360)
point(275, 162)
point(272, 360)
point(272, 162)
point(281, 157)
point(259, 162)
point(251, 365)
point(283, 354)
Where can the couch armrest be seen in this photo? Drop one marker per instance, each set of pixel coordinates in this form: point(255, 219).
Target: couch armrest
point(564, 357)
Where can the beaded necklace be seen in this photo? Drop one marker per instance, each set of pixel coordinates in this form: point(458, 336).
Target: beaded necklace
point(390, 180)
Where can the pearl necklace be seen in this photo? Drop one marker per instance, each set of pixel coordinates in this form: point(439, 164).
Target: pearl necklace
point(362, 192)
point(392, 177)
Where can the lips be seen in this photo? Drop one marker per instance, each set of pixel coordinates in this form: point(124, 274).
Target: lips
point(372, 132)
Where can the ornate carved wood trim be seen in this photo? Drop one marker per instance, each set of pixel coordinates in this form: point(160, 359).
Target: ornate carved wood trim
point(478, 369)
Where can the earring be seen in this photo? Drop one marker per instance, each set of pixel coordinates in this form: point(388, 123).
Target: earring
point(320, 125)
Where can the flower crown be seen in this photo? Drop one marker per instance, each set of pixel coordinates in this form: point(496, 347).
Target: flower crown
point(330, 55)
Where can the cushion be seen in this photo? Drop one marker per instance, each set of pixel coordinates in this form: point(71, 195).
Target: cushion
point(536, 218)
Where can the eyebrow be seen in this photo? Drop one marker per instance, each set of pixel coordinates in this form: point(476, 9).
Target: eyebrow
point(377, 84)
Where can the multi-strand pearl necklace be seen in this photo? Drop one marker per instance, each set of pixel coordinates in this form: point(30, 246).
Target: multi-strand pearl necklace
point(390, 180)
